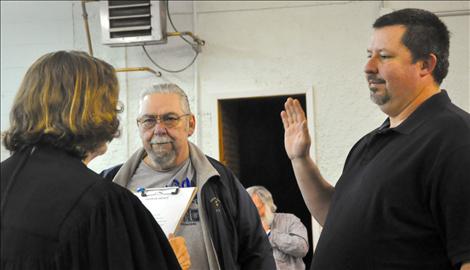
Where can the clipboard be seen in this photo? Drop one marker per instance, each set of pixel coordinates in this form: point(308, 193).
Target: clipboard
point(168, 205)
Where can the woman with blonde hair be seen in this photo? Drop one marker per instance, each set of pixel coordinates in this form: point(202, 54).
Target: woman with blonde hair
point(55, 212)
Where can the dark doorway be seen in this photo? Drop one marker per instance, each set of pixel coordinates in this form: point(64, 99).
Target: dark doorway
point(252, 145)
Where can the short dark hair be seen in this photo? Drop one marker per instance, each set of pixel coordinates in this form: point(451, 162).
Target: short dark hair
point(67, 100)
point(425, 34)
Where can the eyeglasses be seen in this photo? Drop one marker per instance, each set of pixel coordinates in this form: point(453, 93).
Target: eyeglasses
point(119, 107)
point(169, 120)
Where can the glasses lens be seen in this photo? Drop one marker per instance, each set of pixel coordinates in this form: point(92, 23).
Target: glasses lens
point(170, 120)
point(148, 122)
point(120, 106)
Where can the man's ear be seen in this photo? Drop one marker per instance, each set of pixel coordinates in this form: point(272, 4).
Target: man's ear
point(191, 125)
point(428, 65)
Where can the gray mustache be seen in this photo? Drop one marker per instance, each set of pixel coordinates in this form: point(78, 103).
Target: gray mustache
point(160, 139)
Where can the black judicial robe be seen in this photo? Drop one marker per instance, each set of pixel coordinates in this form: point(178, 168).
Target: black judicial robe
point(58, 214)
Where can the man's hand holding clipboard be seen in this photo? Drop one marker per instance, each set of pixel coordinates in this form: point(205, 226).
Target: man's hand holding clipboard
point(178, 244)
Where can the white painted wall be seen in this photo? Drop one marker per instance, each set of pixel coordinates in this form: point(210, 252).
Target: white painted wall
point(253, 48)
point(24, 39)
point(30, 29)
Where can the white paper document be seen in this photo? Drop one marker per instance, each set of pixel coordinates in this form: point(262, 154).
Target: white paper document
point(168, 205)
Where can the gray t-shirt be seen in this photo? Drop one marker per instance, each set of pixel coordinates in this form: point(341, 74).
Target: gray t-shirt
point(190, 227)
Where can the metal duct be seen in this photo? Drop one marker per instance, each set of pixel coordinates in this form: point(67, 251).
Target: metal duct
point(133, 23)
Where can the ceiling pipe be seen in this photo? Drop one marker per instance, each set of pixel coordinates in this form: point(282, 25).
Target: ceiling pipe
point(87, 28)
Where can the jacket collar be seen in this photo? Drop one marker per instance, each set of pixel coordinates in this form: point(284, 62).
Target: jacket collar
point(128, 169)
point(202, 166)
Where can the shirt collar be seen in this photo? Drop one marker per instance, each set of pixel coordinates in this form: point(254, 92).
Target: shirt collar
point(424, 112)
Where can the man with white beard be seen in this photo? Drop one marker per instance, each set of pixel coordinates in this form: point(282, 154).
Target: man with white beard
point(286, 233)
point(222, 228)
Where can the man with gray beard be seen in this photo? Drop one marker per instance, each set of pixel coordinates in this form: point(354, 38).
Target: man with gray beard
point(286, 233)
point(222, 228)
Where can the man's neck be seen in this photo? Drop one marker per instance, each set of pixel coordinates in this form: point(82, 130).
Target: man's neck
point(423, 95)
point(147, 160)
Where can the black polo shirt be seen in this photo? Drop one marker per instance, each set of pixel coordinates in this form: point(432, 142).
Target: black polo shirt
point(403, 200)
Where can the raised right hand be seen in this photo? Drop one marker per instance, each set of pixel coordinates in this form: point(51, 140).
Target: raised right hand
point(296, 137)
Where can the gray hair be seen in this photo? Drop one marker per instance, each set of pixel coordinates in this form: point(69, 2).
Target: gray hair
point(264, 195)
point(168, 88)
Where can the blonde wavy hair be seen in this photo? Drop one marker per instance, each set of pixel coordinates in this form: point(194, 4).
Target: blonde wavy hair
point(67, 99)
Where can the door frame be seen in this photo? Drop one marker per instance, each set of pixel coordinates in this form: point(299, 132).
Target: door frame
point(253, 93)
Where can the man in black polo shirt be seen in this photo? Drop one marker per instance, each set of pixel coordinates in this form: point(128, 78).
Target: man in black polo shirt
point(403, 200)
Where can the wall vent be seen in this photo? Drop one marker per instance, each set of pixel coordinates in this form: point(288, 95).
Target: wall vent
point(133, 23)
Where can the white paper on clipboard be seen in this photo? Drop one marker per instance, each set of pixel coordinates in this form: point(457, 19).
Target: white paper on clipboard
point(168, 205)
